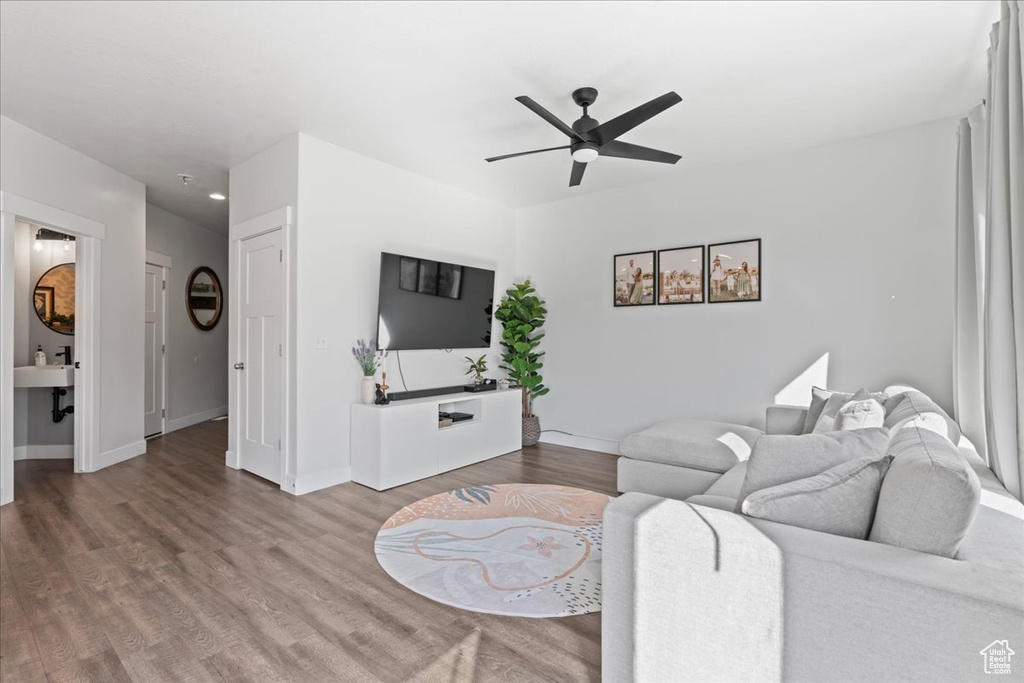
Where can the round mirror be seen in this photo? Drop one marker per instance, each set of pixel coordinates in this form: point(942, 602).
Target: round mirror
point(203, 298)
point(54, 298)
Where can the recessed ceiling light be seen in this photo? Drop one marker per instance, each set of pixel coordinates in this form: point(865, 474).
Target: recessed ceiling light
point(218, 196)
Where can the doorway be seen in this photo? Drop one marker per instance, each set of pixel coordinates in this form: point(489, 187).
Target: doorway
point(88, 236)
point(261, 338)
point(155, 397)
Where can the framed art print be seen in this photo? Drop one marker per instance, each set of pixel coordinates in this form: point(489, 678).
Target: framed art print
point(681, 275)
point(633, 279)
point(734, 271)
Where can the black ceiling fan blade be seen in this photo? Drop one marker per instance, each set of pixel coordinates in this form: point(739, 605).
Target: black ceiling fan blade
point(625, 150)
point(548, 116)
point(577, 173)
point(609, 130)
point(519, 154)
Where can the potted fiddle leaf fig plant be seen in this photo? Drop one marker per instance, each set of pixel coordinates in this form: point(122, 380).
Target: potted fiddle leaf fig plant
point(522, 315)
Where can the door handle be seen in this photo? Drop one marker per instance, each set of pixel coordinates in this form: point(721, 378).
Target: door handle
point(239, 366)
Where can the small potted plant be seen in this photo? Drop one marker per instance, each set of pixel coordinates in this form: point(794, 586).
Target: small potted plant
point(522, 315)
point(366, 355)
point(479, 367)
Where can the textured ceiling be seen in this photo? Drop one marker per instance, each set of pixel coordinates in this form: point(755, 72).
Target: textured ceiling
point(155, 89)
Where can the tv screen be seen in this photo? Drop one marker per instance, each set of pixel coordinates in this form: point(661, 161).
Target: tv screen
point(425, 304)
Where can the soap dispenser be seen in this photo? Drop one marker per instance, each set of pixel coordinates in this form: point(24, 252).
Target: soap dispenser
point(40, 357)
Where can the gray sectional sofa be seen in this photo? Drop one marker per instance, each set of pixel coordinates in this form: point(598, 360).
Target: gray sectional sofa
point(694, 591)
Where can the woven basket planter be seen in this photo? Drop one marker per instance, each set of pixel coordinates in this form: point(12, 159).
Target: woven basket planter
point(531, 430)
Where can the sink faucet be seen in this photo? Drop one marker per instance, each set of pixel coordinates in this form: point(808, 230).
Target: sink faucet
point(66, 353)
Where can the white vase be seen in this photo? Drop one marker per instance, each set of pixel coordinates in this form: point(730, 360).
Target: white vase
point(369, 390)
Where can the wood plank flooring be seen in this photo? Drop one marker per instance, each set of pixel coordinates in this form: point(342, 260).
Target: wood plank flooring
point(172, 567)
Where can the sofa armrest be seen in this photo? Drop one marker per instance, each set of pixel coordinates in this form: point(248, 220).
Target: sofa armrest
point(694, 593)
point(780, 419)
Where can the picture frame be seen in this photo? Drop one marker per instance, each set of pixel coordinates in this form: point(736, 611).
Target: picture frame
point(624, 279)
point(408, 273)
point(427, 279)
point(681, 276)
point(734, 271)
point(44, 302)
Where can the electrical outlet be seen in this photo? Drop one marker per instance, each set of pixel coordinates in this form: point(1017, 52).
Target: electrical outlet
point(320, 342)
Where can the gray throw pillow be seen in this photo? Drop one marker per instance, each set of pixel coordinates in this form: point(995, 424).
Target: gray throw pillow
point(930, 495)
point(827, 419)
point(780, 458)
point(819, 397)
point(839, 501)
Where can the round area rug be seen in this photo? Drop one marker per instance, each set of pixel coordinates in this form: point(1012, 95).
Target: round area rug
point(524, 550)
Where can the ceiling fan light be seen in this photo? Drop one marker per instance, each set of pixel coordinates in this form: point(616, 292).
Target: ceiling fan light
point(584, 155)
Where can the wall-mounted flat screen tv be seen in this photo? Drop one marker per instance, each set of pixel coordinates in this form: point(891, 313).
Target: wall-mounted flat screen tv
point(427, 304)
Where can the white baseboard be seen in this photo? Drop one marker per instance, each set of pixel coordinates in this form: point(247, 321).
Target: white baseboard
point(189, 420)
point(55, 452)
point(587, 443)
point(116, 455)
point(231, 460)
point(308, 483)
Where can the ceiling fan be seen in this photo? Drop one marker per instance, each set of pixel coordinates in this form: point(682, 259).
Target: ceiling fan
point(590, 138)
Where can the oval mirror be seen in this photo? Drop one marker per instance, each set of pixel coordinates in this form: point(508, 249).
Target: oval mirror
point(203, 298)
point(54, 298)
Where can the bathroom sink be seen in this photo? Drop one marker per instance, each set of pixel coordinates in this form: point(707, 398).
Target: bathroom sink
point(44, 376)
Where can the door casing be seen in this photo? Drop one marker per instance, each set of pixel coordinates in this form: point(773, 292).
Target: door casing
point(164, 263)
point(89, 236)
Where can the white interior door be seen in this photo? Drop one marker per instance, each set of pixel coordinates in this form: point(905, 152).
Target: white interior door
point(156, 349)
point(260, 283)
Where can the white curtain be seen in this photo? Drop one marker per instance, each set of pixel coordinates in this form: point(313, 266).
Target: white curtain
point(989, 360)
point(968, 382)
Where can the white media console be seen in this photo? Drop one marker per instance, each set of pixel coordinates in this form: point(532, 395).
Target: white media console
point(402, 442)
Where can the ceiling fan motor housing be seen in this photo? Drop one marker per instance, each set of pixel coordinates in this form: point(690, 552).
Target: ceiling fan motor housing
point(583, 125)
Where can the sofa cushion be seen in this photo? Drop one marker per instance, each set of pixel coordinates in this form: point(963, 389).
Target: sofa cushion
point(780, 458)
point(840, 500)
point(912, 408)
point(819, 399)
point(699, 444)
point(730, 483)
point(929, 497)
point(838, 403)
point(707, 500)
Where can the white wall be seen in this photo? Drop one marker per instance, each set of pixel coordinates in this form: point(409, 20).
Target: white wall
point(857, 262)
point(351, 209)
point(39, 168)
point(264, 183)
point(197, 360)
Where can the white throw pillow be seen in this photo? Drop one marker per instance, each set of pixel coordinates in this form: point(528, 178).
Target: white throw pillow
point(826, 422)
point(820, 403)
point(863, 414)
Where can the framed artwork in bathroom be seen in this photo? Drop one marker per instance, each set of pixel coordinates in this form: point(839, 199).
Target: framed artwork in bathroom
point(44, 302)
